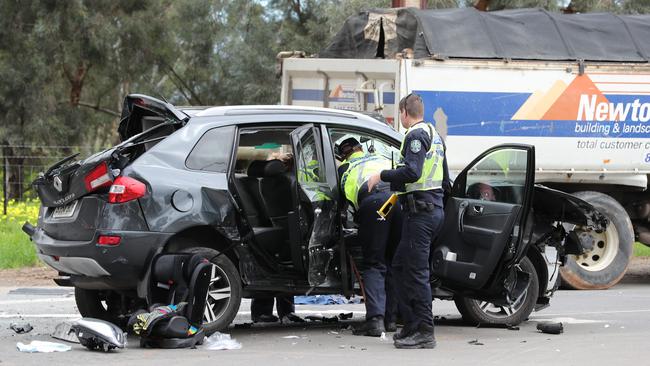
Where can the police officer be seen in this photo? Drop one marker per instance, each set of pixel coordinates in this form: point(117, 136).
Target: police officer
point(419, 180)
point(378, 236)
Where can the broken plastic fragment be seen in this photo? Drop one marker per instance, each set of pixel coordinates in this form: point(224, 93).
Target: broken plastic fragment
point(383, 336)
point(291, 337)
point(62, 332)
point(21, 328)
point(475, 342)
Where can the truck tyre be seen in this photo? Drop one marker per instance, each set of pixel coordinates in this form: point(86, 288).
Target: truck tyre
point(482, 312)
point(604, 265)
point(224, 293)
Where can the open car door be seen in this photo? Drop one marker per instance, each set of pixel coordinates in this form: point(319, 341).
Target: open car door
point(480, 244)
point(316, 203)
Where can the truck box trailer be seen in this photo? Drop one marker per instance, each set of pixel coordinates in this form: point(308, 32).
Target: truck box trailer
point(575, 86)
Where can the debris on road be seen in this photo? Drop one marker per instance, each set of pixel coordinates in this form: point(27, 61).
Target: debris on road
point(221, 341)
point(345, 316)
point(291, 337)
point(44, 347)
point(244, 325)
point(512, 327)
point(62, 332)
point(475, 342)
point(21, 328)
point(383, 336)
point(550, 328)
point(323, 319)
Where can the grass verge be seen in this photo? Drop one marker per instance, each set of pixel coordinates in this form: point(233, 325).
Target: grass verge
point(641, 250)
point(16, 250)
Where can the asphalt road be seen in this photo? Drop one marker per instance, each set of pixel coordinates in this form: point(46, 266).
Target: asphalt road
point(601, 328)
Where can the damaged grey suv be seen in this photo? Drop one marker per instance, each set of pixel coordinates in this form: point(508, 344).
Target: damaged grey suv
point(210, 181)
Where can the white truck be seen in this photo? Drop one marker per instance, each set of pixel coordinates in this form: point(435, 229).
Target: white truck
point(589, 118)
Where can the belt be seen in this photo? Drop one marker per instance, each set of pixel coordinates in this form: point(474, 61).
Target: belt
point(410, 204)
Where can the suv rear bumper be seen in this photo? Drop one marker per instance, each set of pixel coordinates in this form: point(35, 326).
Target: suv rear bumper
point(101, 267)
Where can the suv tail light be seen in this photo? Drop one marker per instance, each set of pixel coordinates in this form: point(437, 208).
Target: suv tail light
point(109, 240)
point(98, 177)
point(125, 189)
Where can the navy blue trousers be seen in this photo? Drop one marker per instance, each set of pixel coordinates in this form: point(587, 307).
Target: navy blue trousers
point(411, 268)
point(379, 239)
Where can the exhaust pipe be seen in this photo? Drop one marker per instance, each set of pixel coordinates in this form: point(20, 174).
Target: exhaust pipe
point(29, 229)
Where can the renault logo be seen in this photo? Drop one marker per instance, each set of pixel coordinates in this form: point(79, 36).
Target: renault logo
point(58, 183)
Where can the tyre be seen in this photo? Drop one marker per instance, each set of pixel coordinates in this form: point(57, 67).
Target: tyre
point(98, 304)
point(224, 293)
point(604, 265)
point(483, 312)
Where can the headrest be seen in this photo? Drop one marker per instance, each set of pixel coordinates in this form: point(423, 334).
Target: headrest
point(266, 168)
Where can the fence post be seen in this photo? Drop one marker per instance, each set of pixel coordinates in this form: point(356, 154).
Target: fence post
point(5, 179)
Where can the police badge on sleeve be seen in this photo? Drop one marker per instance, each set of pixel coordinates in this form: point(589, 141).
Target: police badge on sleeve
point(416, 146)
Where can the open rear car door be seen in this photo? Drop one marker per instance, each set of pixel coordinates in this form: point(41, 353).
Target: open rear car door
point(480, 245)
point(316, 203)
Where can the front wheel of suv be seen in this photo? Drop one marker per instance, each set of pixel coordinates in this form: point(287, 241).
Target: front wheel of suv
point(224, 293)
point(483, 312)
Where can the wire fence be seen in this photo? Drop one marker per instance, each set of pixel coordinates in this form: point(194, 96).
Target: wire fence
point(21, 164)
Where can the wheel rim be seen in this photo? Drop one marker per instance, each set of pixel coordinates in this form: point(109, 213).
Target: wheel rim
point(500, 311)
point(605, 249)
point(218, 296)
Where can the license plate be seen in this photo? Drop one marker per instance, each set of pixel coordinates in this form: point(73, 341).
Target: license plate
point(65, 211)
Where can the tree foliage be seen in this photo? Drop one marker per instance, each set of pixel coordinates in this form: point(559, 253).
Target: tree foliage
point(66, 66)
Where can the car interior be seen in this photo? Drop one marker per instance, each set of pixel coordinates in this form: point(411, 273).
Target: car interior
point(264, 179)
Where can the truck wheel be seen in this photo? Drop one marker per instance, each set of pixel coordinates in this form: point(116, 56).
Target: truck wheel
point(483, 312)
point(224, 293)
point(604, 265)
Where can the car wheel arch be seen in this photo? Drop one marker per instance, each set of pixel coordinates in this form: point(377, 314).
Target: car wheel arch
point(201, 236)
point(539, 263)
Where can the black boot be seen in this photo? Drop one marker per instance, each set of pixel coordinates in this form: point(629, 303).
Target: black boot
point(265, 318)
point(421, 338)
point(372, 327)
point(390, 326)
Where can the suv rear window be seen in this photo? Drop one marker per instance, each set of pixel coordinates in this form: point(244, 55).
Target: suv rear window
point(212, 152)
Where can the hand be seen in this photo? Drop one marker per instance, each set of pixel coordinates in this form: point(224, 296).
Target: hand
point(372, 182)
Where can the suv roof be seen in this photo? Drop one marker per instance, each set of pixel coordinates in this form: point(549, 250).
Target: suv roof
point(344, 116)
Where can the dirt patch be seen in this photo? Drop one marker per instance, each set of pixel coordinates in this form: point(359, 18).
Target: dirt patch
point(638, 271)
point(28, 276)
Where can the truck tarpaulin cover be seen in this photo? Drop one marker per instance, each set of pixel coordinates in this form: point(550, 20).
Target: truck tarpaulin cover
point(525, 34)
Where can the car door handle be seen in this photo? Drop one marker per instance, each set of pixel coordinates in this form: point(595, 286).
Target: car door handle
point(461, 215)
point(477, 209)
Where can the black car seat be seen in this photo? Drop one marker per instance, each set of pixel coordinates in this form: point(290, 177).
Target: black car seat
point(177, 297)
point(276, 189)
point(273, 239)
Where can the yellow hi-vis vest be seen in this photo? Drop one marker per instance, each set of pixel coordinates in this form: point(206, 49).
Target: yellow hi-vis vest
point(432, 169)
point(361, 167)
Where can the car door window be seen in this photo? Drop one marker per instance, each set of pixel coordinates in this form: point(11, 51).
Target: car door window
point(210, 153)
point(370, 143)
point(499, 176)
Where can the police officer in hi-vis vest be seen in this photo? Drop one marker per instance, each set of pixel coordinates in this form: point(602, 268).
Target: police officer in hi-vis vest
point(419, 180)
point(378, 235)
